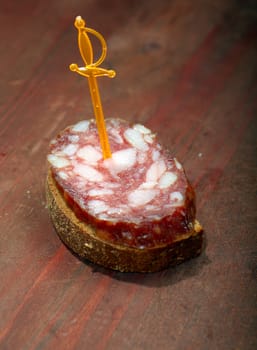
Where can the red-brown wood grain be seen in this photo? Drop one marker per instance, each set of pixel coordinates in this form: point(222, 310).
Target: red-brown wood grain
point(186, 69)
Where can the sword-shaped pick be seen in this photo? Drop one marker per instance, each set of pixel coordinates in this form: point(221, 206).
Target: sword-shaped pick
point(92, 71)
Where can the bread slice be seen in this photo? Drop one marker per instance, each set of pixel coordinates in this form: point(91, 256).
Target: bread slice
point(82, 239)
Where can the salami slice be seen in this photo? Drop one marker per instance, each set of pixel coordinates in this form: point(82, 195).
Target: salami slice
point(140, 197)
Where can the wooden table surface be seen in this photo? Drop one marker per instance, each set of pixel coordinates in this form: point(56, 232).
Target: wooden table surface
point(187, 70)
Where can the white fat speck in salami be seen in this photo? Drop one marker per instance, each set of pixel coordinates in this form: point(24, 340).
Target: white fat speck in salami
point(155, 171)
point(81, 126)
point(89, 154)
point(142, 129)
point(70, 149)
point(58, 162)
point(141, 197)
point(176, 198)
point(150, 184)
point(88, 173)
point(135, 138)
point(97, 206)
point(100, 192)
point(116, 211)
point(155, 155)
point(63, 175)
point(117, 137)
point(167, 179)
point(149, 138)
point(122, 160)
point(141, 157)
point(141, 182)
point(73, 138)
point(178, 165)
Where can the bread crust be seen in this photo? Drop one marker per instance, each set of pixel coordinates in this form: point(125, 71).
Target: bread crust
point(82, 239)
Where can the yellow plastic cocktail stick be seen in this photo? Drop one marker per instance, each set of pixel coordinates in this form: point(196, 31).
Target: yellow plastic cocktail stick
point(91, 71)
